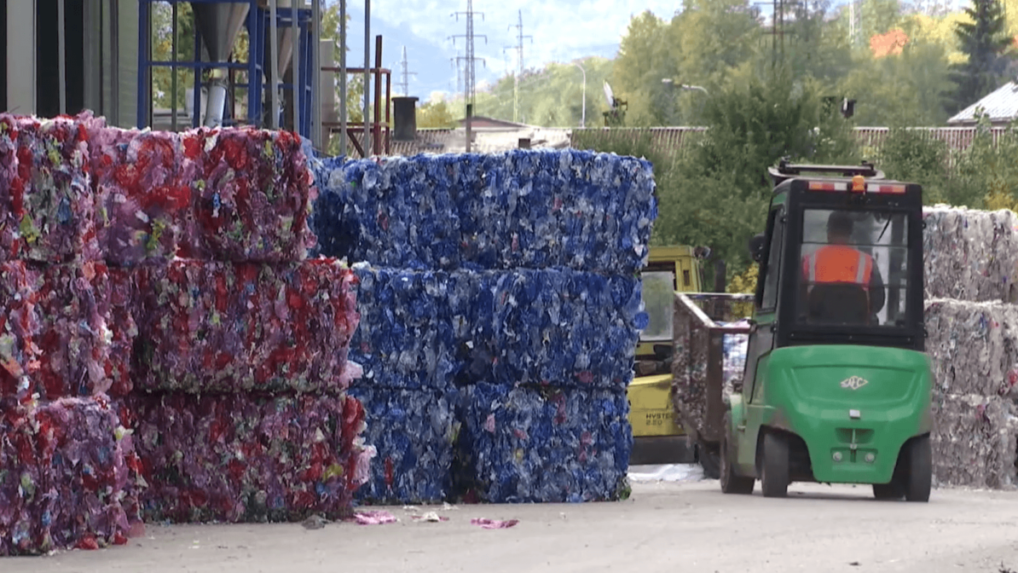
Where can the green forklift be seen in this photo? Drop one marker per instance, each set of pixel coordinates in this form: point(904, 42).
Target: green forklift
point(837, 387)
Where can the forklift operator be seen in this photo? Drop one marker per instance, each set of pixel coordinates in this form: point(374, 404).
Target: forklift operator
point(838, 263)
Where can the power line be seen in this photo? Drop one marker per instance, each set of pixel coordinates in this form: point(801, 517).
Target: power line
point(469, 76)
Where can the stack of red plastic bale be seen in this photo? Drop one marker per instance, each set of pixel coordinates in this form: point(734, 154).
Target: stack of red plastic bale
point(236, 345)
point(167, 351)
point(64, 455)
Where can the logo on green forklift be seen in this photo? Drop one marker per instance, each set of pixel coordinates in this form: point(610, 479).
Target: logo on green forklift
point(854, 383)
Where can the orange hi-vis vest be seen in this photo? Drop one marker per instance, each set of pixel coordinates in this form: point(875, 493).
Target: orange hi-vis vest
point(838, 264)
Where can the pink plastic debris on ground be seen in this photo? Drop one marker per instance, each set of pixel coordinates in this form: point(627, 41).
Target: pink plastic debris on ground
point(48, 208)
point(53, 330)
point(377, 517)
point(247, 458)
point(225, 327)
point(252, 194)
point(494, 523)
point(63, 479)
point(143, 194)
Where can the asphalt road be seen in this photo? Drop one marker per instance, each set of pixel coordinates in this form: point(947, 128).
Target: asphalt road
point(667, 527)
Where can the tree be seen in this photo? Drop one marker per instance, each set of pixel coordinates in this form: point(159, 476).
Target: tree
point(435, 114)
point(721, 188)
point(985, 41)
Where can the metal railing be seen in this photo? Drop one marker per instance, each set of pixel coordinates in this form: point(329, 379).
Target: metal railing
point(698, 360)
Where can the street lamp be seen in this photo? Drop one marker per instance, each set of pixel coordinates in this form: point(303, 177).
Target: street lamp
point(583, 119)
point(670, 82)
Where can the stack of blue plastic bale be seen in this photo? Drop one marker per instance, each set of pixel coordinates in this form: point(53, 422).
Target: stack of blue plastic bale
point(500, 311)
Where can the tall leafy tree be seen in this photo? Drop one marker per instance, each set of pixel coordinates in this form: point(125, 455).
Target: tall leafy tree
point(986, 43)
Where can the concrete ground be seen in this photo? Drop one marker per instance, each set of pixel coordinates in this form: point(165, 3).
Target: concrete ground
point(668, 527)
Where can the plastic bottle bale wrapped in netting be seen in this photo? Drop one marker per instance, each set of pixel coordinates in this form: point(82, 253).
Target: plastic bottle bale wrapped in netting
point(973, 347)
point(970, 254)
point(975, 442)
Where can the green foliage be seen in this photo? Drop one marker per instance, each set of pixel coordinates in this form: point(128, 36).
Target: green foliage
point(435, 115)
point(986, 42)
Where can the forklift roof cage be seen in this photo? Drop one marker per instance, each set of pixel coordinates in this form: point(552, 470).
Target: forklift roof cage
point(785, 171)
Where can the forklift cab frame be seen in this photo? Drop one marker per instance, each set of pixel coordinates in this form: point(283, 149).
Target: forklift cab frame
point(777, 320)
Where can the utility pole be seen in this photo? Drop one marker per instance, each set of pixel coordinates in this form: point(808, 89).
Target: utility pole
point(406, 74)
point(519, 74)
point(469, 77)
point(855, 22)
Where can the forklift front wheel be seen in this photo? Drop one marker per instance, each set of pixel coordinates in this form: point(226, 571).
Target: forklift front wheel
point(730, 481)
point(774, 465)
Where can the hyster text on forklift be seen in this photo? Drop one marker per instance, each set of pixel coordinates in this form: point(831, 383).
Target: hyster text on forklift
point(837, 387)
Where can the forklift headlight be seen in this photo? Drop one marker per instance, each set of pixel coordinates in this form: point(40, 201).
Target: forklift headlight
point(870, 457)
point(837, 456)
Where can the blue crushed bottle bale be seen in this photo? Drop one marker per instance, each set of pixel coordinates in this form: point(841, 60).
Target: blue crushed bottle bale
point(412, 432)
point(534, 445)
point(412, 326)
point(520, 209)
point(557, 327)
point(566, 328)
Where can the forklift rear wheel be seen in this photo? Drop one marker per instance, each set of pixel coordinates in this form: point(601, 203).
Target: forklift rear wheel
point(730, 482)
point(774, 465)
point(920, 470)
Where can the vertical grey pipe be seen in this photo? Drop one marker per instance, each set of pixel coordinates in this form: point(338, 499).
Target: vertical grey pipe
point(342, 77)
point(298, 90)
point(173, 70)
point(273, 67)
point(316, 72)
point(367, 77)
point(62, 48)
point(115, 62)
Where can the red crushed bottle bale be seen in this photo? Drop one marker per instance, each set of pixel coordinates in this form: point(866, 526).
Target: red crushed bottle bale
point(248, 457)
point(251, 192)
point(47, 206)
point(143, 193)
point(53, 330)
point(244, 327)
point(65, 483)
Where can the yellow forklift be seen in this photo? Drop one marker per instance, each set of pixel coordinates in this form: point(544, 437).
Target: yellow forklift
point(658, 437)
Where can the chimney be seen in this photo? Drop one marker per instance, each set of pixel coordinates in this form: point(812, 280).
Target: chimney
point(405, 112)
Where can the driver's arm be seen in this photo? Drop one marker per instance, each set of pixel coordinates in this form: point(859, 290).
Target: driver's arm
point(877, 295)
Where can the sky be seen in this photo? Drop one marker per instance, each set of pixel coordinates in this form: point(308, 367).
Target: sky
point(560, 31)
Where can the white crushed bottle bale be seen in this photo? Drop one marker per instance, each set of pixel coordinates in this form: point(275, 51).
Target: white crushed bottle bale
point(975, 442)
point(970, 254)
point(973, 347)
